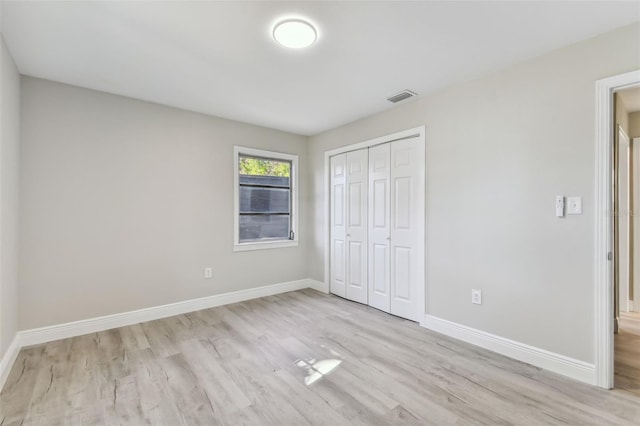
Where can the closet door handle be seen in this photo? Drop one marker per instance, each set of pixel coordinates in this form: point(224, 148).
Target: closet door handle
point(388, 238)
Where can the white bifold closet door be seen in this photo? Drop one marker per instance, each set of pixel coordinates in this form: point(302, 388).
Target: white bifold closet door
point(395, 228)
point(349, 189)
point(377, 226)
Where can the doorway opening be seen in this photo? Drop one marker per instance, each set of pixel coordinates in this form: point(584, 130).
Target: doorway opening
point(607, 254)
point(626, 239)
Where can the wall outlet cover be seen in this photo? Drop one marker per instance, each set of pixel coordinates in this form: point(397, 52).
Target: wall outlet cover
point(476, 297)
point(208, 273)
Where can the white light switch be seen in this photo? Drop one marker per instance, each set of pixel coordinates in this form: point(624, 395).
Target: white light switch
point(574, 205)
point(560, 205)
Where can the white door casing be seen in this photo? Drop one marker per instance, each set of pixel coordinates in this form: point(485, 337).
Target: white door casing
point(379, 227)
point(603, 271)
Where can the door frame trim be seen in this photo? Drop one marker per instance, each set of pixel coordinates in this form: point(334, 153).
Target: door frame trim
point(418, 132)
point(603, 270)
point(635, 302)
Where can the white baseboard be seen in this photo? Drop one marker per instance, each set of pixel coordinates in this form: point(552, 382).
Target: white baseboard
point(7, 360)
point(318, 285)
point(570, 367)
point(92, 325)
point(77, 328)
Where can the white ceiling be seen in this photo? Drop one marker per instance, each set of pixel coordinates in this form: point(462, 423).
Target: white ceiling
point(219, 58)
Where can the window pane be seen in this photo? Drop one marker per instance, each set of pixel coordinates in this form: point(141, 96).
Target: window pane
point(264, 227)
point(264, 200)
point(256, 166)
point(280, 182)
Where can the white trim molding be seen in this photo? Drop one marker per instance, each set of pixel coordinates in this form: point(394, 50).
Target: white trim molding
point(7, 360)
point(603, 268)
point(318, 285)
point(570, 367)
point(92, 325)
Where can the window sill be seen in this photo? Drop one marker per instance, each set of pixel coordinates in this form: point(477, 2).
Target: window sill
point(265, 245)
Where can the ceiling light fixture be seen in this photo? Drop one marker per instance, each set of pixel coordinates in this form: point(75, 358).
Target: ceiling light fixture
point(295, 33)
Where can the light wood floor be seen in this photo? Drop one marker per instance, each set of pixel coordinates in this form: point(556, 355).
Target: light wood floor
point(627, 353)
point(246, 363)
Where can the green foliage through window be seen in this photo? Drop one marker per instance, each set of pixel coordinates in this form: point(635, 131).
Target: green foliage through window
point(256, 166)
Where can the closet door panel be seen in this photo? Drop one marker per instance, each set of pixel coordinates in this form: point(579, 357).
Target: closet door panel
point(379, 227)
point(379, 275)
point(405, 228)
point(356, 230)
point(355, 205)
point(338, 225)
point(356, 257)
point(402, 203)
point(402, 273)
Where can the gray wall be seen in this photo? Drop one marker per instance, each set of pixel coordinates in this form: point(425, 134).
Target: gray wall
point(634, 124)
point(622, 115)
point(9, 155)
point(499, 149)
point(125, 202)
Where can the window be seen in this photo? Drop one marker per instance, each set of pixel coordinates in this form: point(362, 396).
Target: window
point(265, 199)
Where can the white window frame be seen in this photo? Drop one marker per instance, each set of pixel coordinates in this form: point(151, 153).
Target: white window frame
point(271, 244)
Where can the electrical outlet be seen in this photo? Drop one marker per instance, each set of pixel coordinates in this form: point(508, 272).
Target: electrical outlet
point(208, 273)
point(476, 297)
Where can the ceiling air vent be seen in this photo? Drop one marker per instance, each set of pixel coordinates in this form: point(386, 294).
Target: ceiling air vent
point(405, 94)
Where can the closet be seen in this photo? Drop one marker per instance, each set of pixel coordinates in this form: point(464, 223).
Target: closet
point(377, 226)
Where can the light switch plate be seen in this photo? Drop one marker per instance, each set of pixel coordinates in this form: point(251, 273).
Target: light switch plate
point(560, 205)
point(574, 205)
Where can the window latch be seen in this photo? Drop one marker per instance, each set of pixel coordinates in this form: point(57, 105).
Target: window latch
point(291, 235)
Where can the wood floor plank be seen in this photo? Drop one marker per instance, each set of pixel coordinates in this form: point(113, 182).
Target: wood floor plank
point(300, 358)
point(20, 385)
point(627, 356)
point(50, 388)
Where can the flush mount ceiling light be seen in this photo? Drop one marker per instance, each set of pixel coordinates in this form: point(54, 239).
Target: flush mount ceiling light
point(295, 33)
